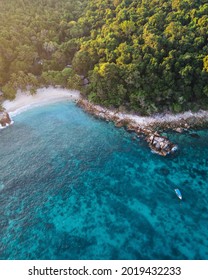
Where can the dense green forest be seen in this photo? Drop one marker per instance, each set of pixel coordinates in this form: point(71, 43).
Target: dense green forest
point(144, 55)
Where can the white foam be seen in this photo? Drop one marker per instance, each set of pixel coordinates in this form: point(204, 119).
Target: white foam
point(2, 127)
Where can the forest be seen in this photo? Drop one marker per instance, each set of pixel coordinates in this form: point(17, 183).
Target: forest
point(144, 56)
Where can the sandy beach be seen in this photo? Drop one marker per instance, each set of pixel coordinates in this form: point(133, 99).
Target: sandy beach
point(24, 101)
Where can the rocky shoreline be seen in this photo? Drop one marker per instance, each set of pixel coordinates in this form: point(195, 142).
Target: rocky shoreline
point(150, 127)
point(5, 119)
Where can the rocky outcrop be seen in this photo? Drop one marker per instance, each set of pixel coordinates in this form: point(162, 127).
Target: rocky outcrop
point(4, 119)
point(158, 144)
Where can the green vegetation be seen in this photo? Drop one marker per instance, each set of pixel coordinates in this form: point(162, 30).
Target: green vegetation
point(38, 39)
point(147, 55)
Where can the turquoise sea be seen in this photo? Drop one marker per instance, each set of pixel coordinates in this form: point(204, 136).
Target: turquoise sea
point(74, 187)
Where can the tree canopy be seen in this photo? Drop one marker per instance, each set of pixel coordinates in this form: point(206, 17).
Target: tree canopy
point(146, 55)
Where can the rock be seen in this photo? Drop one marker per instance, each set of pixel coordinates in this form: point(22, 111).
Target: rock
point(157, 145)
point(131, 127)
point(101, 115)
point(160, 144)
point(115, 118)
point(163, 170)
point(119, 124)
point(4, 119)
point(186, 126)
point(179, 129)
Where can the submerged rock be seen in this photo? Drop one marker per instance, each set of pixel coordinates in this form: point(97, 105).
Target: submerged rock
point(194, 135)
point(163, 171)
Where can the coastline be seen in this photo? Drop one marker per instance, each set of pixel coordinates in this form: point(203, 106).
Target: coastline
point(149, 126)
point(178, 122)
point(183, 121)
point(25, 101)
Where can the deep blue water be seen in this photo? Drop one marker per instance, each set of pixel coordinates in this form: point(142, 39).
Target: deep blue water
point(74, 187)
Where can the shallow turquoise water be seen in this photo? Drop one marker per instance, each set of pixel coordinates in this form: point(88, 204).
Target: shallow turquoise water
point(73, 187)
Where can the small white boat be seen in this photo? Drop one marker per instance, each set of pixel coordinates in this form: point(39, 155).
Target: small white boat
point(178, 193)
